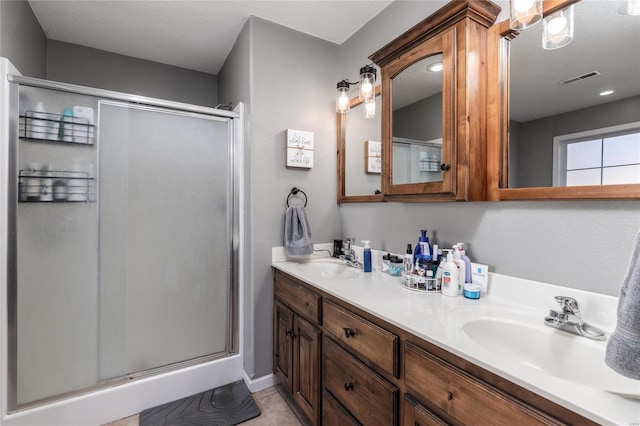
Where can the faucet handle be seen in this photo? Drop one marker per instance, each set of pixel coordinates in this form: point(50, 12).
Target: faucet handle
point(569, 305)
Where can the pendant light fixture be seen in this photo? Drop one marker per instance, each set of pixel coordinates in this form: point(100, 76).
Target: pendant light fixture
point(367, 82)
point(557, 29)
point(525, 13)
point(342, 98)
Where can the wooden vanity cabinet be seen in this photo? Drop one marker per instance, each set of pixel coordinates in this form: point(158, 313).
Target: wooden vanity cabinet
point(345, 366)
point(296, 344)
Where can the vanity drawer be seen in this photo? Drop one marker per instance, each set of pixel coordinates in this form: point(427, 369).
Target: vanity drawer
point(366, 395)
point(334, 414)
point(299, 299)
point(373, 343)
point(416, 414)
point(461, 396)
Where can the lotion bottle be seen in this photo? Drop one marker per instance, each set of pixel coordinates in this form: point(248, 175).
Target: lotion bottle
point(367, 255)
point(467, 262)
point(449, 277)
point(462, 268)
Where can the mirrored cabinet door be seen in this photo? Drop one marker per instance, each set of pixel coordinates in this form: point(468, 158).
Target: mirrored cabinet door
point(434, 98)
point(420, 117)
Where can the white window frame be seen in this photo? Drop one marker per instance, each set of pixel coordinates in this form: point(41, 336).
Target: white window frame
point(560, 146)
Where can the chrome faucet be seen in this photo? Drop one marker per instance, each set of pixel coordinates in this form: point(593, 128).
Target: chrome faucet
point(568, 319)
point(349, 256)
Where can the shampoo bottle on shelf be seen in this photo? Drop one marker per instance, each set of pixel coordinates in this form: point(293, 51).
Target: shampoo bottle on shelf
point(462, 268)
point(467, 262)
point(449, 277)
point(367, 255)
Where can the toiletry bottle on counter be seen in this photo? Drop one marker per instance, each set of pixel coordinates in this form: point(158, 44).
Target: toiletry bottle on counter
point(467, 262)
point(462, 268)
point(418, 250)
point(449, 276)
point(408, 260)
point(367, 255)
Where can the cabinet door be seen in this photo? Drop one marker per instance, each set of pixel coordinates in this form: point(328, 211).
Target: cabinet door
point(306, 367)
point(283, 344)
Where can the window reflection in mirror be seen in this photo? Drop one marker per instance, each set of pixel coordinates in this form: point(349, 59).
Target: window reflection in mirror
point(417, 122)
point(562, 131)
point(359, 179)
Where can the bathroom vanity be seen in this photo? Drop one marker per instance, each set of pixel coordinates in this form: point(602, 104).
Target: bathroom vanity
point(358, 348)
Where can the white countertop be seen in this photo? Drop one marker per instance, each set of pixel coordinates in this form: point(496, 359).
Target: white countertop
point(437, 319)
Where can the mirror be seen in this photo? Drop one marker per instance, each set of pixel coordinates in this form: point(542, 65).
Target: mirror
point(359, 153)
point(417, 122)
point(562, 138)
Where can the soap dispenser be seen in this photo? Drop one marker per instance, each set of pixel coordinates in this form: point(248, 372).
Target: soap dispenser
point(462, 268)
point(367, 255)
point(423, 246)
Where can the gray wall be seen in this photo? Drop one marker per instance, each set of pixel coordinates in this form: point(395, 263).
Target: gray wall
point(86, 66)
point(22, 41)
point(551, 241)
point(291, 80)
point(535, 160)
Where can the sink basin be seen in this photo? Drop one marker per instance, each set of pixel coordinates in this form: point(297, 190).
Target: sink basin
point(329, 268)
point(520, 336)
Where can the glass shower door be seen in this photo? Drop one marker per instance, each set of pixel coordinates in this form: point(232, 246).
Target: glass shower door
point(164, 237)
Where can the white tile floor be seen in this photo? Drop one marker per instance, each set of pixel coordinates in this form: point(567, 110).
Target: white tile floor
point(273, 408)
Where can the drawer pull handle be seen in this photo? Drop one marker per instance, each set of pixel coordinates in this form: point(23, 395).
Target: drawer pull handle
point(348, 333)
point(289, 333)
point(450, 396)
point(348, 386)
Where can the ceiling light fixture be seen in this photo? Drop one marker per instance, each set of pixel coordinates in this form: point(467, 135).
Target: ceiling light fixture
point(633, 7)
point(557, 29)
point(435, 67)
point(606, 93)
point(525, 13)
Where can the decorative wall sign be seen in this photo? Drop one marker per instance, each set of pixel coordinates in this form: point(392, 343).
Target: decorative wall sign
point(372, 157)
point(299, 149)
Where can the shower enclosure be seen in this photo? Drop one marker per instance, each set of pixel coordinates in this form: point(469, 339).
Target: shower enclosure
point(122, 239)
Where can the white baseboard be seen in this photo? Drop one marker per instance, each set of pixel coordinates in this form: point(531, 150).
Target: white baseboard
point(260, 383)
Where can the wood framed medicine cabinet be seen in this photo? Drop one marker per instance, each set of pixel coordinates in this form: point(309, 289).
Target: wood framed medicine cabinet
point(458, 34)
point(500, 186)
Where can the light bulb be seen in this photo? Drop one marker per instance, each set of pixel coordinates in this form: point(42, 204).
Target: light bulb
point(436, 67)
point(343, 100)
point(370, 109)
point(633, 7)
point(366, 87)
point(556, 25)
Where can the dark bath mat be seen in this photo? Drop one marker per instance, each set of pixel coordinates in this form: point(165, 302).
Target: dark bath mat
point(224, 406)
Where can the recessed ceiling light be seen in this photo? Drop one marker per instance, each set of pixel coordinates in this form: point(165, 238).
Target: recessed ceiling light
point(606, 92)
point(435, 67)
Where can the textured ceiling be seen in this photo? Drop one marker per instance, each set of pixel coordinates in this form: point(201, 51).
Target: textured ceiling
point(196, 35)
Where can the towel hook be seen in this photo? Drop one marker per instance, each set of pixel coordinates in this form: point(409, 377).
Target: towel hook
point(295, 191)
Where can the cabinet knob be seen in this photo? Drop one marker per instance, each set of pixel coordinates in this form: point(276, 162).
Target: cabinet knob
point(348, 386)
point(348, 332)
point(450, 396)
point(445, 167)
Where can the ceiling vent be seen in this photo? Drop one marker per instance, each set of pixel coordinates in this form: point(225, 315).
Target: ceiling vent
point(581, 77)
